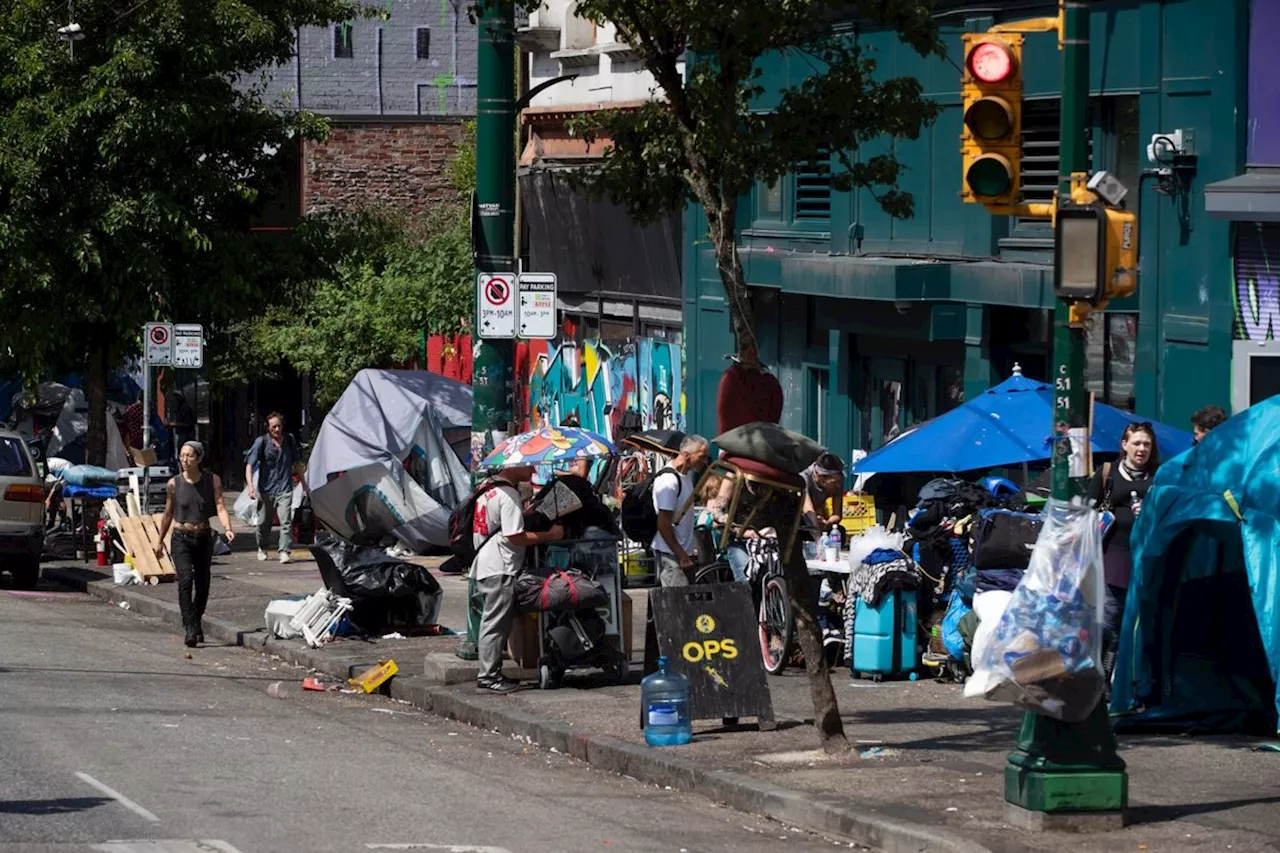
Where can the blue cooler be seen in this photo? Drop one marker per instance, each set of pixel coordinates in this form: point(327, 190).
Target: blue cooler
point(884, 636)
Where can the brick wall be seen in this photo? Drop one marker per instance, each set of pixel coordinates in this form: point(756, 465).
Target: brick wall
point(390, 163)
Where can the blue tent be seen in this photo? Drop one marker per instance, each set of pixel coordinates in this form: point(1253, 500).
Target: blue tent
point(1009, 424)
point(1200, 646)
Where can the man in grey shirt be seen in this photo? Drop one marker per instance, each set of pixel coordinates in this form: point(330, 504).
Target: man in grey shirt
point(268, 473)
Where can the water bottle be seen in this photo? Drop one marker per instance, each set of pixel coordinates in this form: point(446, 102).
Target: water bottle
point(833, 545)
point(664, 697)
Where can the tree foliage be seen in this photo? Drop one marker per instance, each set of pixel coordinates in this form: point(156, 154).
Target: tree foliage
point(131, 167)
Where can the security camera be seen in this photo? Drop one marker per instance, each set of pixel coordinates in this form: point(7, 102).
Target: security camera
point(71, 32)
point(1108, 186)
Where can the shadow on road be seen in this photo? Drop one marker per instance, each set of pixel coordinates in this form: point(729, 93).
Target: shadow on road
point(65, 805)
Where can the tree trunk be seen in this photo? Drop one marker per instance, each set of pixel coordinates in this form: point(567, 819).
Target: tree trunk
point(95, 384)
point(826, 711)
point(722, 221)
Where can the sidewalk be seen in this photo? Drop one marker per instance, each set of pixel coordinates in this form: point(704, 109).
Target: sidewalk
point(931, 778)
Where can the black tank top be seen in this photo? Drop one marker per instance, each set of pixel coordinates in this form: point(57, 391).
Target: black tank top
point(193, 502)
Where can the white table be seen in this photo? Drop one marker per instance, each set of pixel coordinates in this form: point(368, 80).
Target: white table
point(841, 567)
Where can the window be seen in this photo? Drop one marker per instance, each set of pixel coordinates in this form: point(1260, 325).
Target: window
point(1110, 350)
point(424, 42)
point(14, 461)
point(769, 201)
point(1122, 151)
point(950, 388)
point(343, 48)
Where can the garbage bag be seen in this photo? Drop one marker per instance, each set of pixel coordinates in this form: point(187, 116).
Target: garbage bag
point(248, 511)
point(387, 594)
point(1046, 654)
point(559, 590)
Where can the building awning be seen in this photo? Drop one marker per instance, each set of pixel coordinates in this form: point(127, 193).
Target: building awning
point(1251, 197)
point(595, 246)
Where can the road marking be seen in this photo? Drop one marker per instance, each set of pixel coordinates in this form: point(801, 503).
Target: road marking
point(446, 848)
point(117, 796)
point(158, 846)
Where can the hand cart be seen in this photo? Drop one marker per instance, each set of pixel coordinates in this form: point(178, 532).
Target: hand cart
point(595, 634)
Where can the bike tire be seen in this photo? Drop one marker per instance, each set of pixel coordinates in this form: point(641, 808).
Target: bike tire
point(717, 572)
point(777, 629)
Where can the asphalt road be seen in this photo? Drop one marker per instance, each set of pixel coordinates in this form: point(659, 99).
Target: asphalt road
point(111, 739)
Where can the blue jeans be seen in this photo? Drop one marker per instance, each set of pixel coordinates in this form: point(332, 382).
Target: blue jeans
point(736, 555)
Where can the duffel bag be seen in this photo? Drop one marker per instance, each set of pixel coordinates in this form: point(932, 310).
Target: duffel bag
point(1004, 539)
point(560, 590)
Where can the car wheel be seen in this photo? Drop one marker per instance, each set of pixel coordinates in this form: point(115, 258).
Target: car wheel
point(26, 572)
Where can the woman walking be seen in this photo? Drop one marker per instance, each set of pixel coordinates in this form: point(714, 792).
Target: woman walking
point(1120, 489)
point(194, 496)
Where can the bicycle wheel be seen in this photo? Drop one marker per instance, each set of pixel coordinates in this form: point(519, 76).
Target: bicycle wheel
point(718, 572)
point(776, 627)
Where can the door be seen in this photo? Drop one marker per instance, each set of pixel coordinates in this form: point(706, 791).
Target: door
point(888, 379)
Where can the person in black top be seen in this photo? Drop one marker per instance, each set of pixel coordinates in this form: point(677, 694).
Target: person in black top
point(194, 496)
point(1120, 487)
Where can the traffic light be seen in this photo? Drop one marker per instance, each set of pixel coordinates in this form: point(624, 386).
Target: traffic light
point(1095, 253)
point(991, 143)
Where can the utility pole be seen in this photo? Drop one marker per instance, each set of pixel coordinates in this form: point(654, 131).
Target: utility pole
point(494, 249)
point(1063, 775)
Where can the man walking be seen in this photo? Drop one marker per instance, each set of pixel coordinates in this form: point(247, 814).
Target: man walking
point(268, 475)
point(500, 541)
point(674, 542)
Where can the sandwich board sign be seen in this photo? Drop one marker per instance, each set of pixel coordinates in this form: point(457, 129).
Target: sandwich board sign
point(496, 304)
point(158, 343)
point(538, 305)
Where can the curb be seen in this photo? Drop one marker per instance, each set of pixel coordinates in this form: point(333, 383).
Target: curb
point(736, 790)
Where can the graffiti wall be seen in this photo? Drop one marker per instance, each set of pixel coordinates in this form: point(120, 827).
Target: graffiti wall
point(605, 386)
point(1257, 280)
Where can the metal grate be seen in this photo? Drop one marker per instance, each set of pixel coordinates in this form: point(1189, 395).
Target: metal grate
point(1042, 149)
point(813, 189)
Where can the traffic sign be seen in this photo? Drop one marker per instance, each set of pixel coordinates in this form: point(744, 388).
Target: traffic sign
point(158, 340)
point(188, 345)
point(538, 305)
point(496, 302)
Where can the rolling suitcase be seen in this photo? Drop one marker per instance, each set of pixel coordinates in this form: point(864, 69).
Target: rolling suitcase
point(884, 636)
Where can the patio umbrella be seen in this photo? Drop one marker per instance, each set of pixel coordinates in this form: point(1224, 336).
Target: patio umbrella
point(663, 441)
point(1009, 424)
point(548, 446)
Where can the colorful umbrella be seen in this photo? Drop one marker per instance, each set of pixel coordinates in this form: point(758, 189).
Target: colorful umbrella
point(548, 446)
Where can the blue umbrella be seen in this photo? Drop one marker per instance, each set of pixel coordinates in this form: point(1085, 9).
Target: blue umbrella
point(1009, 424)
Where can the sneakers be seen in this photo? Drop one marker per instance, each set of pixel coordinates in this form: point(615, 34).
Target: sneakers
point(285, 558)
point(501, 687)
point(262, 556)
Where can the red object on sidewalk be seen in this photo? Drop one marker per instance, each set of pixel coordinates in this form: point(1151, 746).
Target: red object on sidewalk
point(102, 543)
point(312, 683)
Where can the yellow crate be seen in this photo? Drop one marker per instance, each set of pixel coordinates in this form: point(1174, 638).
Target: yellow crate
point(375, 676)
point(859, 513)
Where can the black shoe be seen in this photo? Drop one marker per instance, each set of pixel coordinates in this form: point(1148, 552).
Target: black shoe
point(501, 687)
point(190, 641)
point(200, 637)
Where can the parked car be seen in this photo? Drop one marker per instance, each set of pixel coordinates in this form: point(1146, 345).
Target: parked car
point(21, 511)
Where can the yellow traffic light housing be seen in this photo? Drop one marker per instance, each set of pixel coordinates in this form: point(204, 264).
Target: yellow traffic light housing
point(991, 143)
point(1095, 256)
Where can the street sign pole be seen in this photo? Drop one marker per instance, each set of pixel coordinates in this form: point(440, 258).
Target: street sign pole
point(1061, 768)
point(494, 359)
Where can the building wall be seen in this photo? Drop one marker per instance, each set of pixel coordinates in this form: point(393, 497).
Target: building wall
point(383, 75)
point(953, 278)
point(1264, 85)
point(399, 164)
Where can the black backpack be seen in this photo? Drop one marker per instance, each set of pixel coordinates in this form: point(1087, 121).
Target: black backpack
point(462, 525)
point(639, 518)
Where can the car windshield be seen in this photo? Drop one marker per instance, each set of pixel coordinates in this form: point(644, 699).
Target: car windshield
point(14, 461)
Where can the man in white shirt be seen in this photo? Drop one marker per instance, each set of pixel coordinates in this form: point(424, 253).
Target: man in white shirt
point(674, 543)
point(500, 541)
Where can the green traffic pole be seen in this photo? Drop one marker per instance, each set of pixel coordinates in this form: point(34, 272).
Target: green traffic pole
point(493, 363)
point(1065, 775)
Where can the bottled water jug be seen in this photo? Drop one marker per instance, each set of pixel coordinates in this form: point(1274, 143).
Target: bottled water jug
point(664, 700)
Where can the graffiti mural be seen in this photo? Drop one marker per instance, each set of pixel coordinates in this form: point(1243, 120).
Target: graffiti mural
point(1257, 290)
point(604, 387)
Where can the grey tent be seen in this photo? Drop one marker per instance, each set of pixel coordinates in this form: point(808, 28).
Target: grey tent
point(382, 464)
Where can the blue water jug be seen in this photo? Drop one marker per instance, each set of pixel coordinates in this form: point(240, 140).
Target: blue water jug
point(664, 701)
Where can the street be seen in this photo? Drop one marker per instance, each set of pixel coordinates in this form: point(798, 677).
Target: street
point(109, 732)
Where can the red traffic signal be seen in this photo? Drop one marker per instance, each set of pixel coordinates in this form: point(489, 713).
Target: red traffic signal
point(991, 62)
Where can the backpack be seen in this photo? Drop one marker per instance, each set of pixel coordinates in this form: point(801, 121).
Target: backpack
point(1004, 539)
point(638, 516)
point(462, 525)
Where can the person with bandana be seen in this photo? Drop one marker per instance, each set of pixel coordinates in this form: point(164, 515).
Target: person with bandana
point(824, 492)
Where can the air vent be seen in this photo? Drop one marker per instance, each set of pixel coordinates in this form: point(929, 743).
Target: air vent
point(813, 189)
point(1042, 149)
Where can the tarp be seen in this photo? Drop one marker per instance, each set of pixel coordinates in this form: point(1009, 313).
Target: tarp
point(381, 465)
point(1009, 424)
point(1200, 644)
point(69, 411)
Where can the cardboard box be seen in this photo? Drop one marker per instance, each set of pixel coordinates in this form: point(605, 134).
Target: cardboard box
point(522, 645)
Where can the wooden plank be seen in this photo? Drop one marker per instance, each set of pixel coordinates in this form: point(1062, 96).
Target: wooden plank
point(140, 546)
point(152, 525)
point(135, 509)
point(136, 492)
point(114, 512)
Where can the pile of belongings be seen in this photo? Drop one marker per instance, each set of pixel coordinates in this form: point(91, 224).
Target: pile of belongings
point(387, 594)
point(572, 502)
point(566, 579)
point(880, 572)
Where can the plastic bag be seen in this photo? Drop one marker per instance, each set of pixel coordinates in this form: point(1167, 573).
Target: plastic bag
point(1046, 655)
point(387, 594)
point(248, 511)
point(951, 637)
point(989, 607)
point(875, 538)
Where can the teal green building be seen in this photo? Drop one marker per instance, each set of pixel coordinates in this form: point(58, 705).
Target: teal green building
point(873, 324)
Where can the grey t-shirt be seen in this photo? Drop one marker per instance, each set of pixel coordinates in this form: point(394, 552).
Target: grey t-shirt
point(273, 465)
point(498, 516)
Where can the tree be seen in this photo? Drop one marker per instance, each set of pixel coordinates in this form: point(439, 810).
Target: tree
point(132, 163)
point(704, 142)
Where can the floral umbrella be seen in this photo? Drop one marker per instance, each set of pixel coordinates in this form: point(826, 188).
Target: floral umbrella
point(547, 446)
